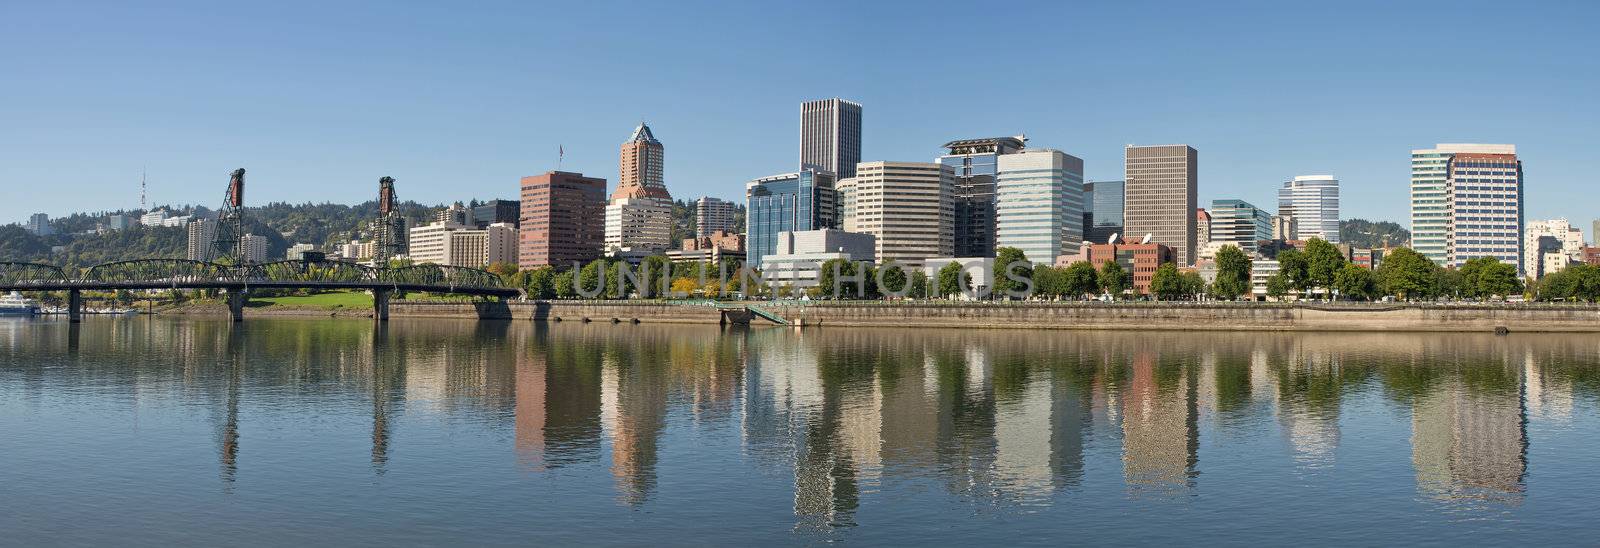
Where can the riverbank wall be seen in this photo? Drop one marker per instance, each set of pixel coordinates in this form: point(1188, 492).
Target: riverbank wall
point(1110, 316)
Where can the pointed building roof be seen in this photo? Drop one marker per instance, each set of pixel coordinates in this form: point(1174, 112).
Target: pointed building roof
point(642, 133)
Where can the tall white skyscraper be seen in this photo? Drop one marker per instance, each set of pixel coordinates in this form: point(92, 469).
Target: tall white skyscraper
point(1039, 203)
point(1466, 202)
point(1313, 202)
point(830, 136)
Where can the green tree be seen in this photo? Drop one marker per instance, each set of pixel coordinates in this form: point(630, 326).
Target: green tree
point(1004, 257)
point(1449, 282)
point(1279, 285)
point(563, 284)
point(659, 268)
point(1193, 285)
point(894, 280)
point(1496, 279)
point(1295, 268)
point(1167, 283)
point(829, 275)
point(1113, 279)
point(1323, 262)
point(1047, 282)
point(919, 284)
point(1466, 282)
point(952, 280)
point(1406, 274)
point(539, 282)
point(503, 269)
point(1233, 273)
point(1355, 282)
point(1080, 279)
point(589, 278)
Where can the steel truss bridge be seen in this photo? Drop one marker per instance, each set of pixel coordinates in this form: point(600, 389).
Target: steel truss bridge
point(238, 281)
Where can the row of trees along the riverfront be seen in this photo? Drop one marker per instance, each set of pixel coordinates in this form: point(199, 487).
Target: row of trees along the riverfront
point(1319, 271)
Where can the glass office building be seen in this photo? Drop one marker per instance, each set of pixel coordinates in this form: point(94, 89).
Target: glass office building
point(787, 202)
point(975, 163)
point(1102, 212)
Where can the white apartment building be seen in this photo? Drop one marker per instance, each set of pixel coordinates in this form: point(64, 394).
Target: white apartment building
point(909, 207)
point(253, 248)
point(1466, 202)
point(297, 252)
point(455, 244)
point(713, 214)
point(501, 244)
point(1312, 202)
point(202, 235)
point(153, 218)
point(1549, 246)
point(1039, 203)
point(639, 224)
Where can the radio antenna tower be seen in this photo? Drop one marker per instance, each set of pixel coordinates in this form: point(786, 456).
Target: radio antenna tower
point(389, 230)
point(230, 222)
point(142, 206)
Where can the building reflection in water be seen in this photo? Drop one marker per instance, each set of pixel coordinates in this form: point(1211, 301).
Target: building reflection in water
point(842, 414)
point(1159, 424)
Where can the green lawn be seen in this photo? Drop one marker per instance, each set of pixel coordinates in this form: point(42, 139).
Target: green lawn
point(324, 300)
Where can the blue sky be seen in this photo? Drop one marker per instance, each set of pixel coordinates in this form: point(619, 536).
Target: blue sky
point(319, 99)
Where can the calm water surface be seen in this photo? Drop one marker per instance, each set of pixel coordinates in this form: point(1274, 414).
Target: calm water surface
point(153, 431)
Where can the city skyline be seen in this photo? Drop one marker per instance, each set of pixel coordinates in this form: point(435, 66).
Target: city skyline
point(475, 130)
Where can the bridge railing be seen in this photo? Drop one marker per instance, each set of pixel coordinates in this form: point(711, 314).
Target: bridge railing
point(23, 274)
point(175, 271)
point(440, 275)
point(180, 272)
point(307, 271)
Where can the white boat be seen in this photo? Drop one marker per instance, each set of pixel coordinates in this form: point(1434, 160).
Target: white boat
point(16, 305)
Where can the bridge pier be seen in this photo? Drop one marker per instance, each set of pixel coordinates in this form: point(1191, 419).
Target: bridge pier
point(380, 305)
point(74, 306)
point(236, 300)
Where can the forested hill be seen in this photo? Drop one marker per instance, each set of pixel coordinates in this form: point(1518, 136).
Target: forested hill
point(323, 225)
point(1368, 234)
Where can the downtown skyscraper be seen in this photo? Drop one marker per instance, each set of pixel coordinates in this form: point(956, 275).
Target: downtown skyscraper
point(907, 206)
point(830, 136)
point(563, 217)
point(1039, 203)
point(1160, 192)
point(1466, 202)
point(974, 163)
point(805, 200)
point(1312, 202)
point(639, 219)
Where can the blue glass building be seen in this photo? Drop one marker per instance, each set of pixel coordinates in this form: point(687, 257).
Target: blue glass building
point(791, 201)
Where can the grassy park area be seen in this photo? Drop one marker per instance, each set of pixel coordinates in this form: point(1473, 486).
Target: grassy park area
point(330, 300)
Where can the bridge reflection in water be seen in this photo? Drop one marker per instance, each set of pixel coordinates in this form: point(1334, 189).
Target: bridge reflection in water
point(238, 281)
point(834, 421)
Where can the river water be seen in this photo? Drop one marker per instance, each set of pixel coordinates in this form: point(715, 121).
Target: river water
point(152, 431)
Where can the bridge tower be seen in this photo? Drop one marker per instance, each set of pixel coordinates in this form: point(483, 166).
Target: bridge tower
point(229, 239)
point(389, 230)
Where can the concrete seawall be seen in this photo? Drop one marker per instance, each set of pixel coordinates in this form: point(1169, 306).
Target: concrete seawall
point(1120, 316)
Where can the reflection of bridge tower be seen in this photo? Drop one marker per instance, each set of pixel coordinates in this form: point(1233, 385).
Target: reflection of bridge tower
point(389, 230)
point(229, 239)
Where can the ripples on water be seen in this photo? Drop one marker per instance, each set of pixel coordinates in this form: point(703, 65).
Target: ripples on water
point(153, 431)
